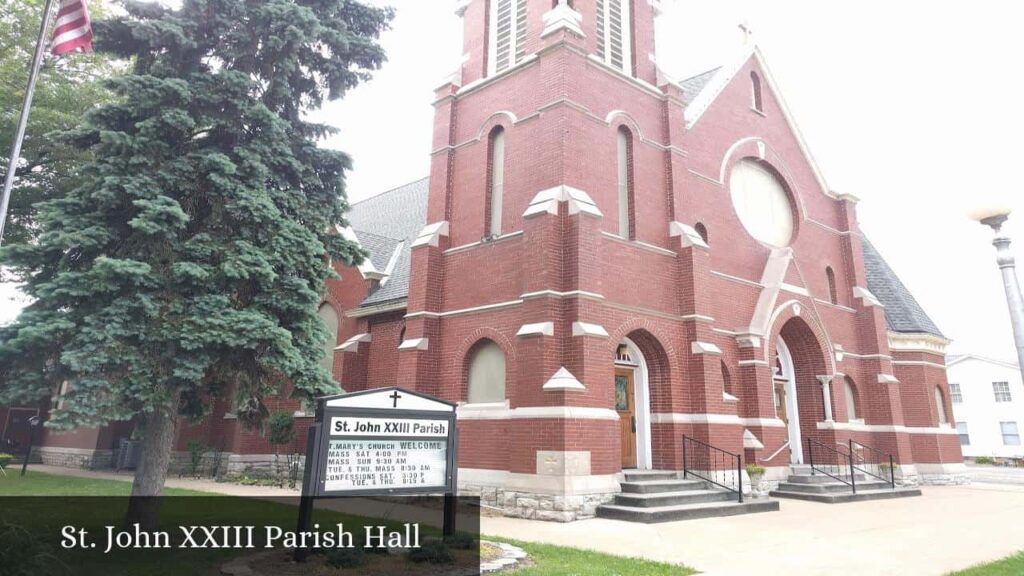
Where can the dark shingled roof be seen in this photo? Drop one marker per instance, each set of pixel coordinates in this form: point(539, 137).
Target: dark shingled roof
point(384, 221)
point(399, 215)
point(694, 85)
point(903, 313)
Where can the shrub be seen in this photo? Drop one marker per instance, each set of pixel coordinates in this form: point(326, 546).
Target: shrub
point(23, 554)
point(755, 470)
point(984, 461)
point(461, 541)
point(195, 458)
point(432, 551)
point(5, 459)
point(346, 558)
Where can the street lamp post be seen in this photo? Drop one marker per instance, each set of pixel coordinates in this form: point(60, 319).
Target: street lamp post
point(994, 218)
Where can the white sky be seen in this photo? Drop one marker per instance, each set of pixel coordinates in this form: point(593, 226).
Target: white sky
point(914, 106)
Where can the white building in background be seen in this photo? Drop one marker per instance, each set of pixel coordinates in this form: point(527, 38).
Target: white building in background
point(988, 405)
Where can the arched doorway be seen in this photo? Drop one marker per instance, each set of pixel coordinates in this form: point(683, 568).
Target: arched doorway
point(797, 392)
point(787, 407)
point(633, 403)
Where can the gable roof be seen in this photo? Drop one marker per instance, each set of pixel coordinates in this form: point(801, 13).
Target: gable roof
point(903, 313)
point(694, 85)
point(709, 85)
point(954, 359)
point(388, 222)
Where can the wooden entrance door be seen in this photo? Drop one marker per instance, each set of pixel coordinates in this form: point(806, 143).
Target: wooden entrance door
point(625, 405)
point(780, 403)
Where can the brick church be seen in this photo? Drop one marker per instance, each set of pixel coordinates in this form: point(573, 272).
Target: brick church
point(603, 261)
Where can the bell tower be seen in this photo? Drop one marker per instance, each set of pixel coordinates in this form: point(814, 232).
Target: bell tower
point(554, 159)
point(499, 34)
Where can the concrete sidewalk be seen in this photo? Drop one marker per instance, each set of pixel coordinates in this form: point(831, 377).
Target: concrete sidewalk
point(949, 528)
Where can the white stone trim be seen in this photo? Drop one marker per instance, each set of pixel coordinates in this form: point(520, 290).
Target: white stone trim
point(705, 348)
point(854, 427)
point(564, 381)
point(546, 201)
point(431, 234)
point(366, 269)
point(562, 17)
point(537, 329)
point(795, 289)
point(587, 329)
point(557, 294)
point(763, 422)
point(415, 344)
point(687, 234)
point(479, 243)
point(751, 442)
point(918, 363)
point(677, 418)
point(361, 312)
point(866, 295)
point(887, 379)
point(638, 244)
point(540, 413)
point(484, 308)
point(540, 484)
point(941, 469)
point(352, 344)
point(745, 363)
point(926, 343)
point(726, 397)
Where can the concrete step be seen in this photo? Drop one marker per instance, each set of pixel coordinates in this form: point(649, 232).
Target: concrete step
point(830, 487)
point(646, 475)
point(845, 497)
point(820, 478)
point(686, 512)
point(654, 486)
point(672, 498)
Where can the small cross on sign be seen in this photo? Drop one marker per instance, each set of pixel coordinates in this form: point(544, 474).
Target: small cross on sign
point(395, 396)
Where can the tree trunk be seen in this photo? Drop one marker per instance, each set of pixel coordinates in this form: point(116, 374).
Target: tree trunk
point(158, 438)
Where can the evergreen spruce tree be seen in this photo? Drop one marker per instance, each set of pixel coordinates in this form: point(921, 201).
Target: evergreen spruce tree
point(189, 261)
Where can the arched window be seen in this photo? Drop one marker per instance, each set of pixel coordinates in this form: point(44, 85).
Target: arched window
point(851, 401)
point(762, 203)
point(627, 218)
point(702, 230)
point(755, 88)
point(496, 182)
point(329, 317)
point(940, 406)
point(508, 34)
point(486, 373)
point(833, 294)
point(727, 380)
point(614, 41)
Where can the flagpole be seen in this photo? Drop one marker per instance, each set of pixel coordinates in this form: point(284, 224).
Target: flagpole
point(19, 135)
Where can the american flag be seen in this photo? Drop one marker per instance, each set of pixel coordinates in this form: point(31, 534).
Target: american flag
point(72, 31)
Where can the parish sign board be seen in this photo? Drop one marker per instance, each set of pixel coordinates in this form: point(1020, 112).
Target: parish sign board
point(387, 441)
point(381, 442)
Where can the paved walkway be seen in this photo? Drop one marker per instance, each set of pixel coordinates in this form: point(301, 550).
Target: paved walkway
point(947, 529)
point(996, 474)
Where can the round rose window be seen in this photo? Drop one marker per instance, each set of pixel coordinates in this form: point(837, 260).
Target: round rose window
point(762, 204)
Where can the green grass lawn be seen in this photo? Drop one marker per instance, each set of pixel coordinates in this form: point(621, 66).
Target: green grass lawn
point(1012, 566)
point(37, 516)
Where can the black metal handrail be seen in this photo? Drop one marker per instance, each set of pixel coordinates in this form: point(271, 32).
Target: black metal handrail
point(872, 462)
point(832, 463)
point(714, 465)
